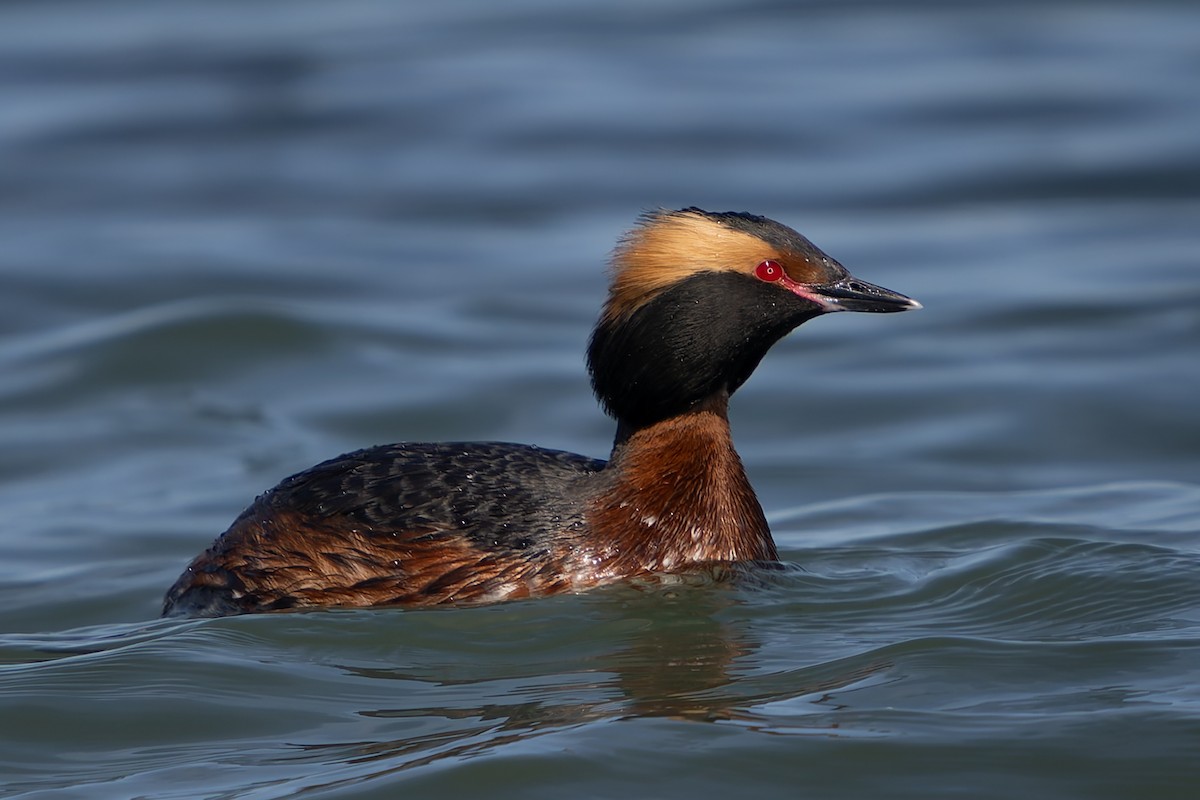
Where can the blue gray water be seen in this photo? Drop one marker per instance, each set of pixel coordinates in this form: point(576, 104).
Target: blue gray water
point(239, 238)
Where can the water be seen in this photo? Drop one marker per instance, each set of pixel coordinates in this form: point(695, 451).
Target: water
point(240, 238)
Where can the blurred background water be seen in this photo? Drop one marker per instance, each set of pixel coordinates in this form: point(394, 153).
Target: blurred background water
point(241, 237)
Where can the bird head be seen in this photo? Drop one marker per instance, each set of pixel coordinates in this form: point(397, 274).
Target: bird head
point(696, 300)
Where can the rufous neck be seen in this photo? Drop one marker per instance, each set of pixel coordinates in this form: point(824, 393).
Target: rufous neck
point(680, 493)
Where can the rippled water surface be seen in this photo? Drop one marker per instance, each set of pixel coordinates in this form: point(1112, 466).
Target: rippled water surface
point(239, 238)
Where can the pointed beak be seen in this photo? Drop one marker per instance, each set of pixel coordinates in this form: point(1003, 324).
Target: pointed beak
point(851, 294)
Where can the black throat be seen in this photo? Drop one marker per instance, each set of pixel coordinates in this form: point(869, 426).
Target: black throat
point(701, 337)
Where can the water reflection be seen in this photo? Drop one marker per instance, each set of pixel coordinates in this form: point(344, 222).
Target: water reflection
point(686, 659)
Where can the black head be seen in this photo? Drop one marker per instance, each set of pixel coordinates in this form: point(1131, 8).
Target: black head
point(698, 298)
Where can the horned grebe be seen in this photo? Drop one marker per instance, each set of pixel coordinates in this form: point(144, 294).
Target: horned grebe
point(696, 300)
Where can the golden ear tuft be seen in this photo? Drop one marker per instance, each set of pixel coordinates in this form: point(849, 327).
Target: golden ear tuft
point(669, 246)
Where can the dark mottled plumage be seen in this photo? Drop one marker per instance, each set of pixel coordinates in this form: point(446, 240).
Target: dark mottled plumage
point(509, 500)
point(696, 301)
point(497, 494)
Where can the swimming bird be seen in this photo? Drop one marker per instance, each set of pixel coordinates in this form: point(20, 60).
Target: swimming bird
point(696, 300)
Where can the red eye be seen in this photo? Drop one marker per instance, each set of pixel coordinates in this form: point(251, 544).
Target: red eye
point(769, 271)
